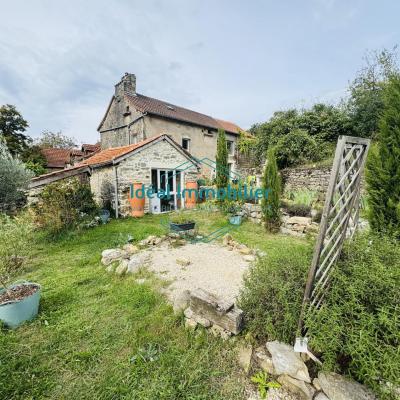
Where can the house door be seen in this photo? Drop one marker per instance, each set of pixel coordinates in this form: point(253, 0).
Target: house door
point(166, 183)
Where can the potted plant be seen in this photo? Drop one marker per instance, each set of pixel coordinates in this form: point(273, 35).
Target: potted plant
point(19, 302)
point(235, 218)
point(180, 222)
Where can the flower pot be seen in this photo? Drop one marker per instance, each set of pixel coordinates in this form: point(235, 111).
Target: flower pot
point(235, 220)
point(182, 227)
point(15, 313)
point(137, 203)
point(104, 216)
point(190, 198)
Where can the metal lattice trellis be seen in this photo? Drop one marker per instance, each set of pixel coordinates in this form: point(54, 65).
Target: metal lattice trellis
point(339, 217)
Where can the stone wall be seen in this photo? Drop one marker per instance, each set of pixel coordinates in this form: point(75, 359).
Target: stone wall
point(252, 212)
point(316, 179)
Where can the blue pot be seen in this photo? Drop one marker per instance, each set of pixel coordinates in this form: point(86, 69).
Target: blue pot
point(235, 220)
point(15, 313)
point(105, 216)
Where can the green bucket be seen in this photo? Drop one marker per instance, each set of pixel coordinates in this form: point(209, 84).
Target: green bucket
point(15, 313)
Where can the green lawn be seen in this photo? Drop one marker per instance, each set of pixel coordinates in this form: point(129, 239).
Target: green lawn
point(91, 324)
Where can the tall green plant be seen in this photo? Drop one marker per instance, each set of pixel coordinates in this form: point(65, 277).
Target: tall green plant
point(222, 171)
point(383, 167)
point(271, 182)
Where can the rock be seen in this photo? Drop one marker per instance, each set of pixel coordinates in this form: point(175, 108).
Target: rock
point(244, 357)
point(110, 268)
point(173, 235)
point(190, 323)
point(316, 384)
point(249, 258)
point(130, 248)
point(299, 220)
point(111, 255)
point(188, 313)
point(230, 248)
point(181, 301)
point(302, 389)
point(134, 264)
point(321, 396)
point(227, 239)
point(206, 323)
point(122, 268)
point(264, 360)
point(337, 387)
point(220, 332)
point(184, 261)
point(245, 251)
point(286, 361)
point(157, 241)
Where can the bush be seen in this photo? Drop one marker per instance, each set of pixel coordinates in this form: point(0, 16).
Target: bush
point(303, 196)
point(64, 205)
point(296, 148)
point(15, 245)
point(357, 328)
point(300, 210)
point(273, 292)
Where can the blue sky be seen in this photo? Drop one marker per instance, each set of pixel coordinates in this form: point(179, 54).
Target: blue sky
point(235, 60)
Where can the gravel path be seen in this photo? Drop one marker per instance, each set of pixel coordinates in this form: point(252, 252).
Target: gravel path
point(212, 267)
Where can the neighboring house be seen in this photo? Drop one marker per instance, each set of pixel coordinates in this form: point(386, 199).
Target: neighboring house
point(90, 149)
point(132, 117)
point(156, 161)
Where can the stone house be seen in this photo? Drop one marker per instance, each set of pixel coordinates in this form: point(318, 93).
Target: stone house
point(132, 117)
point(157, 161)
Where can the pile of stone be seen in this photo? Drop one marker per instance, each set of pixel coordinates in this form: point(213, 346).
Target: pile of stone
point(222, 318)
point(252, 212)
point(288, 368)
point(298, 226)
point(248, 254)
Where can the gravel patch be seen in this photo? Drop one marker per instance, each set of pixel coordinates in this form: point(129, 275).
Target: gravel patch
point(212, 268)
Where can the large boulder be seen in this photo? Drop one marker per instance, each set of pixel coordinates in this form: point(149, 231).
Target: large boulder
point(338, 387)
point(122, 268)
point(287, 362)
point(110, 255)
point(303, 390)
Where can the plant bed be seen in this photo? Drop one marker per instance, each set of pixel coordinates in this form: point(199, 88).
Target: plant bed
point(19, 303)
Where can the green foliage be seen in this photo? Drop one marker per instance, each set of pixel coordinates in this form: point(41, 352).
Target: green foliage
point(295, 148)
point(383, 167)
point(261, 378)
point(15, 245)
point(34, 160)
point(222, 171)
point(64, 205)
point(300, 210)
point(302, 196)
point(270, 204)
point(56, 140)
point(366, 102)
point(14, 178)
point(246, 143)
point(357, 329)
point(12, 128)
point(272, 294)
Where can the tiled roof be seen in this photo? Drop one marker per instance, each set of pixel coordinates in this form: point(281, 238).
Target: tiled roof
point(57, 158)
point(91, 147)
point(108, 155)
point(167, 110)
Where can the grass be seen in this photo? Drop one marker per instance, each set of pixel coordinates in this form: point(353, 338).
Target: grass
point(91, 325)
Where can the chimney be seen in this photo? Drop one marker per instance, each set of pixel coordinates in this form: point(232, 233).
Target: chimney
point(127, 85)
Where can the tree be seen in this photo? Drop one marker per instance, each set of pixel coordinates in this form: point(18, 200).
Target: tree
point(222, 171)
point(271, 181)
point(56, 140)
point(365, 105)
point(12, 128)
point(34, 160)
point(14, 178)
point(383, 166)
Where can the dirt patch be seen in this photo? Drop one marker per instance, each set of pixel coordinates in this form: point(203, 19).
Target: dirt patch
point(211, 267)
point(18, 293)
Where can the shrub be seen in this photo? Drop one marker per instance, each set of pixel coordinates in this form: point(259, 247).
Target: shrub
point(300, 210)
point(14, 178)
point(222, 171)
point(357, 328)
point(15, 245)
point(296, 148)
point(303, 196)
point(270, 204)
point(273, 292)
point(64, 205)
point(383, 172)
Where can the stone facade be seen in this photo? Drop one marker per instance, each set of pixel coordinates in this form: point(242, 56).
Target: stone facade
point(136, 168)
point(315, 179)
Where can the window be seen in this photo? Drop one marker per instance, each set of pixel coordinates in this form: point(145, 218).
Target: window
point(186, 144)
point(230, 146)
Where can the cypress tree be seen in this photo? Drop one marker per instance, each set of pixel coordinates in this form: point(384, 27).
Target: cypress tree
point(222, 171)
point(383, 167)
point(271, 181)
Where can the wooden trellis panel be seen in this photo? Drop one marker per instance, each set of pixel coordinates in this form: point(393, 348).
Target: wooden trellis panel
point(339, 217)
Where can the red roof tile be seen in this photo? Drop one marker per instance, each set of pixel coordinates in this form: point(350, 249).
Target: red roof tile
point(57, 158)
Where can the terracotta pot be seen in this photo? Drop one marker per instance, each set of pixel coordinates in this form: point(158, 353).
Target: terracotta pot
point(190, 199)
point(137, 203)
